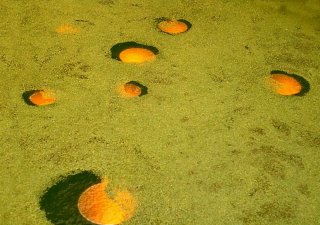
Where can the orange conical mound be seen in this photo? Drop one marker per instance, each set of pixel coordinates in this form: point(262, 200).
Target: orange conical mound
point(42, 97)
point(95, 205)
point(136, 55)
point(173, 26)
point(284, 84)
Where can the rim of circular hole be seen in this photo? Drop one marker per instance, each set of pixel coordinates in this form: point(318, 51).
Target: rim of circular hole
point(118, 48)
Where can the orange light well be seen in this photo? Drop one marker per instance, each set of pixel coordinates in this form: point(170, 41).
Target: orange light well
point(173, 27)
point(136, 55)
point(97, 207)
point(133, 52)
point(42, 97)
point(284, 84)
point(67, 29)
point(132, 89)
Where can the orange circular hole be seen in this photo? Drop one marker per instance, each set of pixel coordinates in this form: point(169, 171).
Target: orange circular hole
point(96, 206)
point(285, 84)
point(136, 55)
point(173, 27)
point(40, 97)
point(132, 89)
point(133, 52)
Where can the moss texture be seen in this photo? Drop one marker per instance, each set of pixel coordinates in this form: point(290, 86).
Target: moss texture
point(209, 144)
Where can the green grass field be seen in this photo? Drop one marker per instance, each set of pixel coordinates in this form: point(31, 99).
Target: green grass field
point(210, 144)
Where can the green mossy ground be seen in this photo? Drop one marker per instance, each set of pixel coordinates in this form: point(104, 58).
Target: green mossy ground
point(209, 144)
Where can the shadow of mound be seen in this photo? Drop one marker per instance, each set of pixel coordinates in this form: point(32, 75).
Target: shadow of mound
point(60, 201)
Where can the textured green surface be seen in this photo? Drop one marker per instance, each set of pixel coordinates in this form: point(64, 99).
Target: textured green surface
point(209, 144)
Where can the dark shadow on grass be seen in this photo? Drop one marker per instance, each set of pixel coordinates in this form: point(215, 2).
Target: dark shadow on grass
point(26, 96)
point(60, 201)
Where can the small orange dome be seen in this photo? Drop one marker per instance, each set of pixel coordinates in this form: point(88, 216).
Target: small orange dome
point(132, 89)
point(285, 84)
point(42, 97)
point(95, 205)
point(173, 26)
point(136, 55)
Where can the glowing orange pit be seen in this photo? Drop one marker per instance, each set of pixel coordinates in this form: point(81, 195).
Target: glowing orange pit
point(285, 85)
point(136, 55)
point(42, 97)
point(132, 89)
point(97, 207)
point(173, 26)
